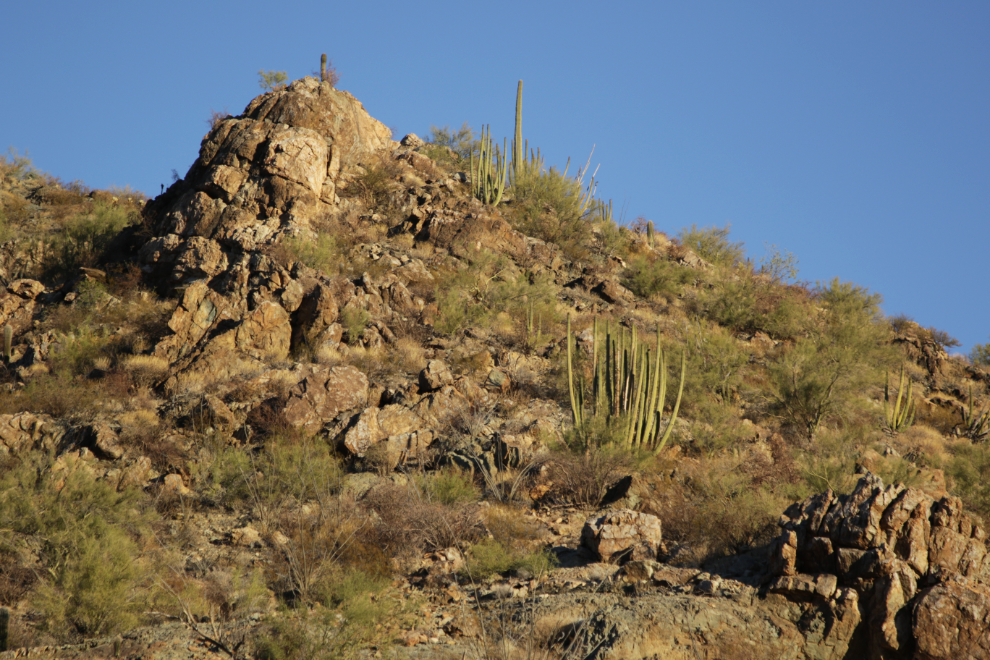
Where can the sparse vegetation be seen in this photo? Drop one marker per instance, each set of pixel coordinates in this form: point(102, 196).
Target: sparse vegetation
point(161, 458)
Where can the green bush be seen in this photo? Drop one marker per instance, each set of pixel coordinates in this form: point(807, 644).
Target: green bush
point(272, 80)
point(449, 486)
point(89, 532)
point(441, 141)
point(491, 288)
point(83, 239)
point(712, 244)
point(649, 276)
point(980, 355)
point(969, 471)
point(844, 351)
point(322, 254)
point(551, 206)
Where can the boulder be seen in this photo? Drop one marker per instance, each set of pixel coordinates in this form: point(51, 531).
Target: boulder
point(622, 534)
point(322, 392)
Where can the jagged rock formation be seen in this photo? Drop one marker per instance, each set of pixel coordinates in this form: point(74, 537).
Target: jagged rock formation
point(917, 566)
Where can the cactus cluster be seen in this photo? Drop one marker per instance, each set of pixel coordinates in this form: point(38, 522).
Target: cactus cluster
point(629, 388)
point(488, 178)
point(976, 425)
point(901, 415)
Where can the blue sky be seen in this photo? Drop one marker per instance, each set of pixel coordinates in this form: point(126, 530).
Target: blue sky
point(854, 135)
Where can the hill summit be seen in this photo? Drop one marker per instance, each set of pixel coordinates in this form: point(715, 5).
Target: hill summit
point(331, 394)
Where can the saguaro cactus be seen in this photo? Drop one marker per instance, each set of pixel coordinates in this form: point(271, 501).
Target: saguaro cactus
point(323, 67)
point(518, 148)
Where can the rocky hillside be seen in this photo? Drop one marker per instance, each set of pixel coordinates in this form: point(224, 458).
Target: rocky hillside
point(318, 400)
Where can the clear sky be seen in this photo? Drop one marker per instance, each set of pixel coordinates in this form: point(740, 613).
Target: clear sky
point(855, 135)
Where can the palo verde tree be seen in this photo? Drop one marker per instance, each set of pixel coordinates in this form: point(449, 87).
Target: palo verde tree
point(845, 349)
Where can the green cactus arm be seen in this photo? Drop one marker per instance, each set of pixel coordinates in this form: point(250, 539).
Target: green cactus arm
point(575, 409)
point(677, 407)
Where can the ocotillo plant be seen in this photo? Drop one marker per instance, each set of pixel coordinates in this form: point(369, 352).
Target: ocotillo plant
point(629, 388)
point(900, 417)
point(8, 341)
point(976, 426)
point(488, 179)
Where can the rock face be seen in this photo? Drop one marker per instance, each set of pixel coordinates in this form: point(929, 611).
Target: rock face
point(259, 178)
point(918, 564)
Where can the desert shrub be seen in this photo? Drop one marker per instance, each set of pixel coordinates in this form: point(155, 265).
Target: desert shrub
point(447, 486)
point(363, 611)
point(551, 206)
point(84, 238)
point(583, 478)
point(716, 361)
point(270, 81)
point(322, 254)
point(489, 292)
point(447, 146)
point(980, 355)
point(408, 523)
point(845, 350)
point(14, 166)
point(714, 506)
point(712, 244)
point(750, 303)
point(355, 320)
point(376, 185)
point(969, 472)
point(778, 266)
point(97, 581)
point(649, 276)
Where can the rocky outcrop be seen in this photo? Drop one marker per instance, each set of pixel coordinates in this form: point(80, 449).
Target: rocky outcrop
point(622, 534)
point(919, 565)
point(324, 392)
point(25, 431)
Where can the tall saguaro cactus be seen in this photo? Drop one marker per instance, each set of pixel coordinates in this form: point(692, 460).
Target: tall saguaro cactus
point(323, 67)
point(518, 148)
point(629, 388)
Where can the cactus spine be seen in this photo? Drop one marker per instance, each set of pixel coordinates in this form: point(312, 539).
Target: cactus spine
point(900, 417)
point(629, 388)
point(323, 67)
point(8, 341)
point(488, 179)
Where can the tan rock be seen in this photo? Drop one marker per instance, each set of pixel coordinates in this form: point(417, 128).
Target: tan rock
point(622, 532)
point(265, 332)
point(322, 393)
point(952, 621)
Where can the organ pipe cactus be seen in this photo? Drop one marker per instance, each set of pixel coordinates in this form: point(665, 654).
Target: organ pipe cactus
point(488, 179)
point(901, 416)
point(629, 388)
point(976, 425)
